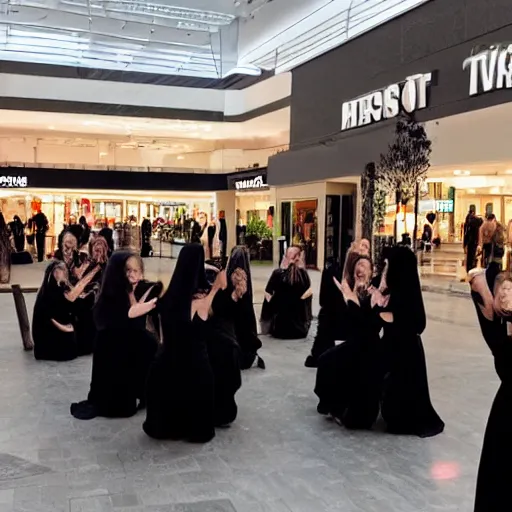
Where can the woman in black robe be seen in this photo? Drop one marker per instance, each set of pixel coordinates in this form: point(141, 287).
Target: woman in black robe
point(224, 352)
point(83, 307)
point(124, 348)
point(492, 295)
point(181, 385)
point(331, 318)
point(239, 291)
point(349, 376)
point(18, 233)
point(287, 311)
point(406, 406)
point(52, 322)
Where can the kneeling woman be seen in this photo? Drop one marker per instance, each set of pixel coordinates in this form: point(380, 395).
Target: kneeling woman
point(124, 348)
point(349, 376)
point(406, 405)
point(286, 311)
point(240, 297)
point(53, 331)
point(181, 385)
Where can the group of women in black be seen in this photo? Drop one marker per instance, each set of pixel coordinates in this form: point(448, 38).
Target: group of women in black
point(379, 368)
point(178, 355)
point(62, 326)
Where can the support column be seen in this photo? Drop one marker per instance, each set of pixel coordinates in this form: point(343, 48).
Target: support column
point(226, 201)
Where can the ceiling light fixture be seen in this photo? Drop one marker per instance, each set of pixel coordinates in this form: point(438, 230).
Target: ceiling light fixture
point(181, 157)
point(461, 173)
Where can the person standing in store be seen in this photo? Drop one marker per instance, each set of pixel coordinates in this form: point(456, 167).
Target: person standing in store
point(5, 252)
point(41, 228)
point(471, 237)
point(491, 241)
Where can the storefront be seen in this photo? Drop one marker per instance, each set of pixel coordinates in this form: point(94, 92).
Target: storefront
point(457, 82)
point(108, 198)
point(254, 211)
point(319, 217)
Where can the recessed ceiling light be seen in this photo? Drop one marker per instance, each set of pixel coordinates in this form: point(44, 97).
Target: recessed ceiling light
point(181, 157)
point(461, 173)
point(51, 127)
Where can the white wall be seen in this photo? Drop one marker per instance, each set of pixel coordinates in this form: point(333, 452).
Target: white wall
point(32, 151)
point(230, 102)
point(482, 136)
point(259, 95)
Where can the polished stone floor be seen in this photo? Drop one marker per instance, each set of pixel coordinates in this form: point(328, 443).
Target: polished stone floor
point(279, 456)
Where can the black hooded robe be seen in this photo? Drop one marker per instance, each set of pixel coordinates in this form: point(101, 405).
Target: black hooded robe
point(331, 315)
point(348, 380)
point(494, 472)
point(225, 358)
point(406, 405)
point(181, 385)
point(51, 343)
point(287, 314)
point(242, 312)
point(123, 349)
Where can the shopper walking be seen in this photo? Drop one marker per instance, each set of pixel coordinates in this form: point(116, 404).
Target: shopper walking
point(41, 228)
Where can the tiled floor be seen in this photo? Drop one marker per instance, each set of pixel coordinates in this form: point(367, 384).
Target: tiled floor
point(279, 456)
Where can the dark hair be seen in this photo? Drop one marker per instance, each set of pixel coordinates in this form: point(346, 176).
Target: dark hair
point(239, 259)
point(490, 216)
point(113, 300)
point(404, 287)
point(188, 279)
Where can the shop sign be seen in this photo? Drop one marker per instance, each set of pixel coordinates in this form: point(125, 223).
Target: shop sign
point(408, 96)
point(13, 181)
point(251, 183)
point(490, 69)
point(444, 206)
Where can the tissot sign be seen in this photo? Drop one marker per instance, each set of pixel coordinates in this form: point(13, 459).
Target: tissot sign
point(490, 69)
point(407, 96)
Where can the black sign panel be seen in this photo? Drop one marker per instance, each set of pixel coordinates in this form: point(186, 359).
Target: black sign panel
point(22, 177)
point(254, 179)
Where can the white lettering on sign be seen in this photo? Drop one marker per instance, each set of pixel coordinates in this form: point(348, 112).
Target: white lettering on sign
point(13, 181)
point(490, 69)
point(387, 103)
point(256, 182)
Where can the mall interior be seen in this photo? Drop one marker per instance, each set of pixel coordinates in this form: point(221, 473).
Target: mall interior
point(258, 120)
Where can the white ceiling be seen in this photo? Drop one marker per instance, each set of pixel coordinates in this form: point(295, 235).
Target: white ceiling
point(14, 122)
point(203, 38)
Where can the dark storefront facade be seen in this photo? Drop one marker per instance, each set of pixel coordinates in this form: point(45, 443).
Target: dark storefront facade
point(439, 60)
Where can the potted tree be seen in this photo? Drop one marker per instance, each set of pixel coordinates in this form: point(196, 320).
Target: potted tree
point(258, 239)
point(403, 168)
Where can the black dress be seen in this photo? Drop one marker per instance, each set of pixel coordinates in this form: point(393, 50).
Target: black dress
point(331, 316)
point(349, 376)
point(287, 315)
point(50, 342)
point(225, 357)
point(406, 405)
point(495, 473)
point(123, 352)
point(83, 311)
point(180, 399)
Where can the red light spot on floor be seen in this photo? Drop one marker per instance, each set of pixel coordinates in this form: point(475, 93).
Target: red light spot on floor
point(445, 470)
